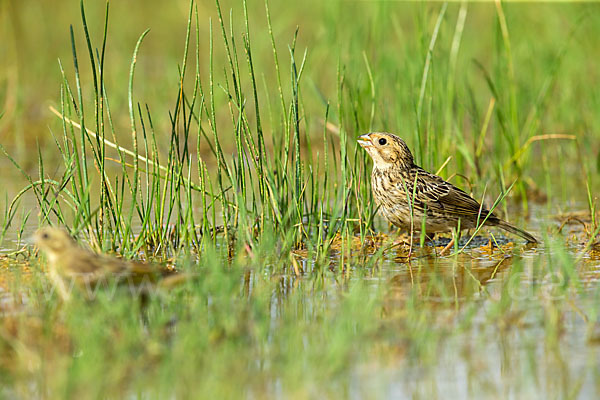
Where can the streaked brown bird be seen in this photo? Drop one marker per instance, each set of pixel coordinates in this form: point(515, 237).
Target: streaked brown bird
point(71, 266)
point(397, 182)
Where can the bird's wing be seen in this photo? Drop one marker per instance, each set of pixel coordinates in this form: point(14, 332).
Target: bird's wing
point(80, 262)
point(132, 272)
point(443, 196)
point(84, 267)
point(88, 269)
point(143, 272)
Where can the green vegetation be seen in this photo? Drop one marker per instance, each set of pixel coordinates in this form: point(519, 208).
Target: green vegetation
point(227, 146)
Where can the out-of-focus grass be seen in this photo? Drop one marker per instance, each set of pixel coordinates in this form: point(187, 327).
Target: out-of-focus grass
point(392, 38)
point(246, 328)
point(235, 190)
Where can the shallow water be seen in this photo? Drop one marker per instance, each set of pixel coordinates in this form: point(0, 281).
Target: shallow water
point(513, 321)
point(524, 353)
point(517, 357)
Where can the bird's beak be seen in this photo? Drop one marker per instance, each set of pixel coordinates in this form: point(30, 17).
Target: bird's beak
point(364, 141)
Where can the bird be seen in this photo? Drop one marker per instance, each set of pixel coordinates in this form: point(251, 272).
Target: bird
point(400, 187)
point(71, 266)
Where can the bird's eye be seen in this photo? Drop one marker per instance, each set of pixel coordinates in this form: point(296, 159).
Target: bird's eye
point(45, 236)
point(382, 141)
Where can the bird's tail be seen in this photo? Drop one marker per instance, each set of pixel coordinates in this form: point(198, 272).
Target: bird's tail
point(513, 229)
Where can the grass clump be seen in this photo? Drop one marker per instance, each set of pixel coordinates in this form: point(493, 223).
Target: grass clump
point(243, 157)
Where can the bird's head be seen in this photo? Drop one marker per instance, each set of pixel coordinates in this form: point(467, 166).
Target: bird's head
point(386, 150)
point(53, 241)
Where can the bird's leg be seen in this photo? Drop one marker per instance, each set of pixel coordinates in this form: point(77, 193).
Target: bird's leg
point(448, 247)
point(455, 237)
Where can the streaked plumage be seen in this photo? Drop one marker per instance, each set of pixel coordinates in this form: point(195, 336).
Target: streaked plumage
point(395, 179)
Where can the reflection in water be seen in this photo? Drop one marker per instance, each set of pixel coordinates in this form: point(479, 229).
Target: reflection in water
point(488, 323)
point(457, 279)
point(527, 337)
